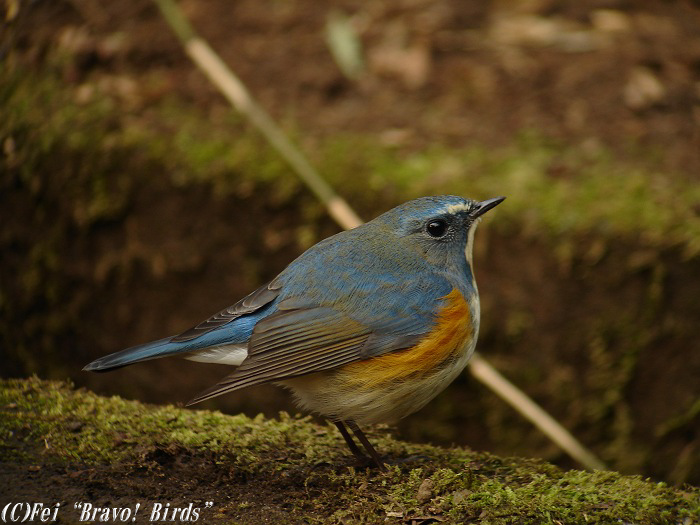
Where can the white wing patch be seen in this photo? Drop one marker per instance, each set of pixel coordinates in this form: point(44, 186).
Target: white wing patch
point(223, 355)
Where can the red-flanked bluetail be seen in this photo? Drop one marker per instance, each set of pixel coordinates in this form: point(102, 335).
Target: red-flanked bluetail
point(366, 326)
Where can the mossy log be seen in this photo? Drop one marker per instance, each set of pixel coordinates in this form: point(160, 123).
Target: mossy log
point(67, 446)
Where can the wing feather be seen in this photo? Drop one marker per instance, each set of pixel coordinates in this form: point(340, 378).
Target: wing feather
point(310, 332)
point(288, 344)
point(249, 304)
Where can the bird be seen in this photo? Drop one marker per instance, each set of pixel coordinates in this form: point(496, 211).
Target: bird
point(366, 326)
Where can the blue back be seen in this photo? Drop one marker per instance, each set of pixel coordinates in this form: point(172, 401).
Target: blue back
point(388, 275)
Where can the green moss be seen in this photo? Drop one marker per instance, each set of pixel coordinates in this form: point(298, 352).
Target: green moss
point(553, 189)
point(50, 423)
point(45, 117)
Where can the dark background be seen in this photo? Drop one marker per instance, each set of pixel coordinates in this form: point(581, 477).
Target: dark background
point(134, 204)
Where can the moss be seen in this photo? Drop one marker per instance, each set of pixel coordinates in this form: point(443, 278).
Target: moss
point(50, 423)
point(46, 117)
point(553, 189)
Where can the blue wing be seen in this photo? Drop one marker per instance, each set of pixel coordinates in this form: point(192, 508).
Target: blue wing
point(345, 299)
point(367, 308)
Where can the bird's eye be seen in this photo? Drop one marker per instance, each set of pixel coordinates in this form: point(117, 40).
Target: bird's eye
point(436, 228)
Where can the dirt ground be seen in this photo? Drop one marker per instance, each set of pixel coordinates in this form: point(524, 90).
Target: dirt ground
point(614, 75)
point(622, 74)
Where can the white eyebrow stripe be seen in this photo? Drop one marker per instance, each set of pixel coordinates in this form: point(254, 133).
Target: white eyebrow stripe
point(456, 208)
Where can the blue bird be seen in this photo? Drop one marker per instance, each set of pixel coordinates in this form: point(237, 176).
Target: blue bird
point(366, 326)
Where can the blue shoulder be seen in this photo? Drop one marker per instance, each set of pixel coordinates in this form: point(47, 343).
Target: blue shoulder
point(357, 273)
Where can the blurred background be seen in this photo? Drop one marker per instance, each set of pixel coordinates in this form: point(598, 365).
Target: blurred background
point(134, 202)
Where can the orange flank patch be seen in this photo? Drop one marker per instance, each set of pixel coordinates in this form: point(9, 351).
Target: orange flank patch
point(452, 331)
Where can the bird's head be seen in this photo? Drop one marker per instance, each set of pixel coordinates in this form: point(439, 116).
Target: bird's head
point(440, 228)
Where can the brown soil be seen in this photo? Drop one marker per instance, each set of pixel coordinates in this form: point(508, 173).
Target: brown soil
point(166, 476)
point(623, 74)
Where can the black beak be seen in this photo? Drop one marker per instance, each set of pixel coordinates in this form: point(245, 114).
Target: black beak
point(482, 207)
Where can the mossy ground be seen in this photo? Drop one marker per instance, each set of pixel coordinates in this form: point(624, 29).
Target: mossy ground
point(60, 443)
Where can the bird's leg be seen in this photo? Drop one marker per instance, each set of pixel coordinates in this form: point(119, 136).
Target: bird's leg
point(368, 446)
point(348, 439)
